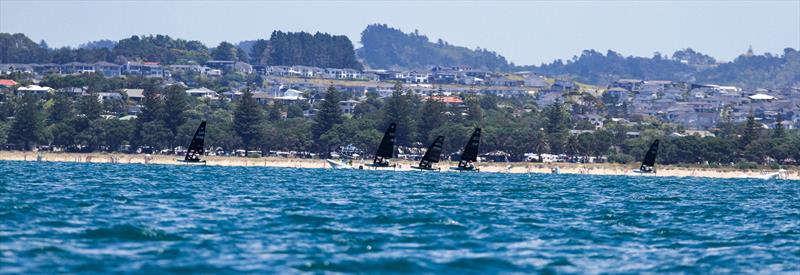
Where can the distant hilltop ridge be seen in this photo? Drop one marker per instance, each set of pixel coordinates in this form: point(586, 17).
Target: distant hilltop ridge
point(385, 47)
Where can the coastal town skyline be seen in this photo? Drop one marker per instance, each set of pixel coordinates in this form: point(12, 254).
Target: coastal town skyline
point(765, 26)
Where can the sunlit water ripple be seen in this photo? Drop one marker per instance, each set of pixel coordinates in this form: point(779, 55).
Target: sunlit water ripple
point(69, 217)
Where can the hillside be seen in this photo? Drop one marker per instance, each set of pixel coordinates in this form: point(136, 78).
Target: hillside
point(748, 70)
point(386, 47)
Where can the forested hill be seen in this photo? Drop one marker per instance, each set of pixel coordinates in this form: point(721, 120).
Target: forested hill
point(748, 70)
point(320, 50)
point(301, 48)
point(386, 47)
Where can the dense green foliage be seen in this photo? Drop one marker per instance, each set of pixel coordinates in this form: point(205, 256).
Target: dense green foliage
point(300, 48)
point(386, 47)
point(247, 120)
point(168, 118)
point(18, 48)
point(753, 71)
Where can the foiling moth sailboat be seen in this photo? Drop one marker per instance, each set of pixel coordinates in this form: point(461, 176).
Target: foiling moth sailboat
point(433, 155)
point(470, 154)
point(386, 148)
point(649, 162)
point(197, 146)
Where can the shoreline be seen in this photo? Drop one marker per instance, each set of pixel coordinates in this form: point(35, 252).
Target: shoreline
point(403, 165)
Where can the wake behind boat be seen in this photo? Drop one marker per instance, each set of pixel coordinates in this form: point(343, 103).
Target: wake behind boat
point(335, 164)
point(197, 146)
point(470, 154)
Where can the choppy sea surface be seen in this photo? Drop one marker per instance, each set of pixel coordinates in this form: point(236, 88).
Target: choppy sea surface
point(156, 219)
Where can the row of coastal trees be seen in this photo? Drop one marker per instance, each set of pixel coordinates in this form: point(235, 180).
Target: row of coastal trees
point(282, 48)
point(168, 118)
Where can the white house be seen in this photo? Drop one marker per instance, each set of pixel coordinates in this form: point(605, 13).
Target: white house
point(35, 89)
point(203, 93)
point(348, 106)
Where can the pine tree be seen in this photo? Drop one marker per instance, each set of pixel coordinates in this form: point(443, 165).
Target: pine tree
point(175, 104)
point(275, 112)
point(474, 110)
point(398, 110)
point(27, 126)
point(247, 120)
point(556, 127)
point(61, 109)
point(329, 115)
point(431, 116)
point(778, 132)
point(152, 111)
point(750, 130)
point(90, 107)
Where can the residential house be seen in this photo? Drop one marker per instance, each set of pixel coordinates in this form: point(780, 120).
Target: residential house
point(46, 69)
point(632, 85)
point(108, 69)
point(145, 69)
point(221, 64)
point(243, 67)
point(348, 106)
point(16, 68)
point(203, 93)
point(506, 81)
point(535, 81)
point(135, 96)
point(77, 68)
point(106, 97)
point(564, 85)
point(35, 90)
point(449, 101)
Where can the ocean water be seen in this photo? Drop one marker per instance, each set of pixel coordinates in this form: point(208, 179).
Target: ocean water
point(157, 219)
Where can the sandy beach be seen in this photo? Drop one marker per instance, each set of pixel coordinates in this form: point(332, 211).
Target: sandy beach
point(511, 167)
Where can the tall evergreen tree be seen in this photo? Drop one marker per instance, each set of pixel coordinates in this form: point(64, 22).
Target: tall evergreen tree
point(176, 102)
point(61, 109)
point(152, 111)
point(431, 116)
point(398, 110)
point(750, 130)
point(329, 114)
point(27, 127)
point(90, 107)
point(247, 120)
point(556, 127)
point(225, 51)
point(275, 112)
point(778, 132)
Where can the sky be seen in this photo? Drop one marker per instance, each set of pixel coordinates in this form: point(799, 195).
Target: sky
point(525, 32)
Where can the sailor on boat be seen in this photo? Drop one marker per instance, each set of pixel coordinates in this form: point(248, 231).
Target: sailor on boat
point(386, 148)
point(649, 162)
point(470, 154)
point(196, 147)
point(431, 156)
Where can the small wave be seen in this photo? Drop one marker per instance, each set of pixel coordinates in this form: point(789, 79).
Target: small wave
point(130, 233)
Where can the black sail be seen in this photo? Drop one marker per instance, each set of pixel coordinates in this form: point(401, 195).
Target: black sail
point(650, 158)
point(386, 148)
point(470, 153)
point(196, 148)
point(433, 154)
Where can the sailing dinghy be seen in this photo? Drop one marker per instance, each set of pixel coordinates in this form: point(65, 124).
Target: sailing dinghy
point(196, 147)
point(432, 155)
point(649, 162)
point(386, 148)
point(470, 154)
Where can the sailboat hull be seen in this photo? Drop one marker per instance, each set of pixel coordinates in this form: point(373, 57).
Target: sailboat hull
point(192, 161)
point(338, 164)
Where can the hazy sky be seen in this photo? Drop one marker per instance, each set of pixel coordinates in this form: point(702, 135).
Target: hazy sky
point(525, 32)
